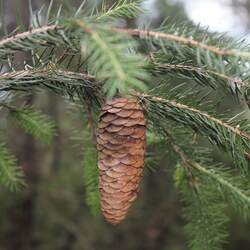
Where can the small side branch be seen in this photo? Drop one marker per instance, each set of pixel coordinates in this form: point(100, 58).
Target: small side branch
point(227, 186)
point(178, 150)
point(182, 40)
point(199, 70)
point(27, 34)
point(44, 72)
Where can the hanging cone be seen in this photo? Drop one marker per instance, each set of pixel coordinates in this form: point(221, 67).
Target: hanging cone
point(121, 149)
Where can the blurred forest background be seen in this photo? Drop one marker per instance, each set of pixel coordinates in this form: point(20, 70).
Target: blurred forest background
point(51, 212)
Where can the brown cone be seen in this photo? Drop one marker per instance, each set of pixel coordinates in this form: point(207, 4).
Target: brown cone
point(121, 149)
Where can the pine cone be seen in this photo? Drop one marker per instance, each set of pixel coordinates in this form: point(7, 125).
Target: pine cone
point(121, 149)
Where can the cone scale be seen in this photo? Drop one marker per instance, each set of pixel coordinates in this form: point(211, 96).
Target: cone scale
point(121, 150)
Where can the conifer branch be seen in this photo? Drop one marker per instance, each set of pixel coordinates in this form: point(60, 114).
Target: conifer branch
point(205, 115)
point(50, 35)
point(182, 40)
point(28, 34)
point(233, 190)
point(52, 73)
point(91, 177)
point(121, 8)
point(11, 176)
point(207, 221)
point(205, 69)
point(35, 123)
point(55, 34)
point(204, 77)
point(67, 83)
point(226, 136)
point(205, 208)
point(166, 67)
point(112, 58)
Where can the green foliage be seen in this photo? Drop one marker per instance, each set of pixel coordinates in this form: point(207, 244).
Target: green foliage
point(11, 176)
point(222, 134)
point(91, 179)
point(70, 84)
point(33, 40)
point(184, 69)
point(205, 213)
point(190, 52)
point(111, 63)
point(227, 183)
point(112, 59)
point(207, 187)
point(231, 187)
point(179, 175)
point(35, 123)
point(197, 44)
point(84, 139)
point(121, 8)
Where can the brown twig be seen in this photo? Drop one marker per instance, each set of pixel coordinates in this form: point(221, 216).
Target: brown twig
point(194, 69)
point(235, 130)
point(26, 34)
point(179, 39)
point(44, 71)
point(135, 33)
point(231, 81)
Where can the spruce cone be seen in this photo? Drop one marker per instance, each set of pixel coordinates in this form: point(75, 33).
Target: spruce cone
point(121, 148)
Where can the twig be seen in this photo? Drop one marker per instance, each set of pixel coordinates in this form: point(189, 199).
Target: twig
point(196, 69)
point(204, 114)
point(190, 165)
point(180, 152)
point(131, 32)
point(25, 73)
point(26, 34)
point(179, 39)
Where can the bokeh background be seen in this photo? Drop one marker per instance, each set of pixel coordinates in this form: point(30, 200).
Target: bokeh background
point(51, 213)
